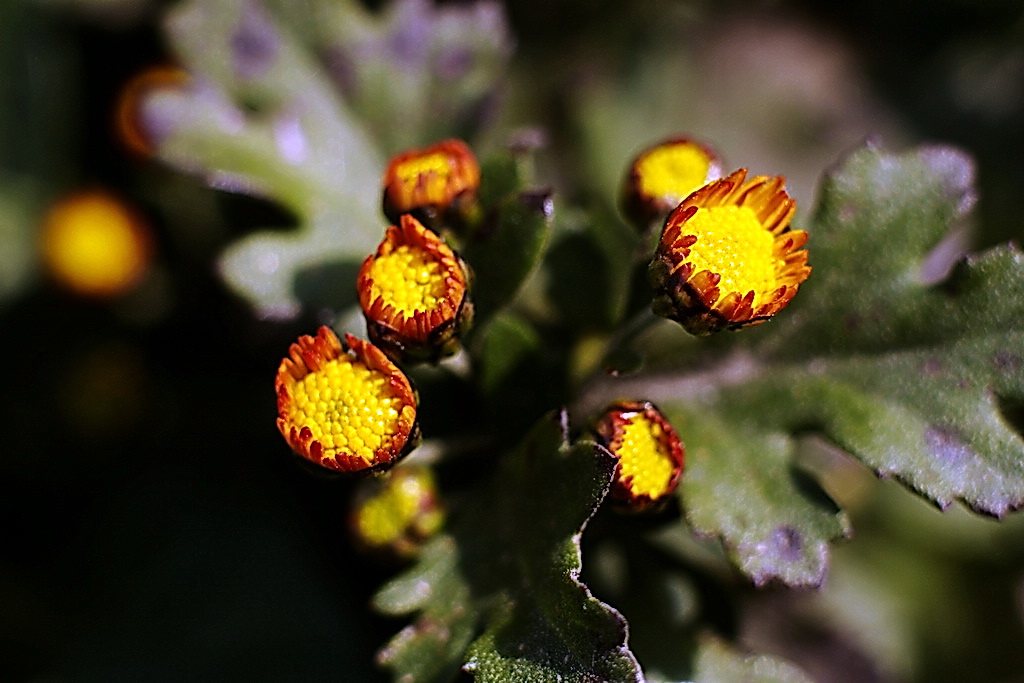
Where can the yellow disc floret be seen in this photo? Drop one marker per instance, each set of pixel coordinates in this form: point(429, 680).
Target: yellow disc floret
point(408, 278)
point(732, 243)
point(673, 170)
point(344, 408)
point(643, 457)
point(348, 407)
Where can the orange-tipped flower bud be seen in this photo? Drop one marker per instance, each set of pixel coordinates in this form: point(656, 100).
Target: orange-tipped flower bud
point(347, 408)
point(437, 184)
point(727, 258)
point(650, 453)
point(663, 175)
point(414, 292)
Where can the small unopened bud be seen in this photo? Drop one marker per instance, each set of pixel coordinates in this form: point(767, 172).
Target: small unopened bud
point(414, 292)
point(347, 408)
point(663, 175)
point(394, 514)
point(437, 185)
point(650, 454)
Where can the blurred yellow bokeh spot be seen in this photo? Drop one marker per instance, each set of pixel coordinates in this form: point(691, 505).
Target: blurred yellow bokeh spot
point(94, 244)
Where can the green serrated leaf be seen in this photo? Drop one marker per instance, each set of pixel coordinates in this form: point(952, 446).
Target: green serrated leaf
point(718, 663)
point(741, 486)
point(930, 417)
point(912, 374)
point(549, 627)
point(415, 71)
point(879, 216)
point(516, 554)
point(433, 646)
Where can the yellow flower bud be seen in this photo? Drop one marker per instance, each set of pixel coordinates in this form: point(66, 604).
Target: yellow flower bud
point(437, 184)
point(651, 456)
point(414, 292)
point(347, 408)
point(727, 257)
point(393, 515)
point(663, 175)
point(94, 244)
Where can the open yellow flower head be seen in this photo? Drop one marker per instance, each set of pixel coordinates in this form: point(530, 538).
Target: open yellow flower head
point(437, 184)
point(393, 515)
point(663, 175)
point(128, 123)
point(651, 456)
point(347, 408)
point(414, 292)
point(727, 257)
point(94, 244)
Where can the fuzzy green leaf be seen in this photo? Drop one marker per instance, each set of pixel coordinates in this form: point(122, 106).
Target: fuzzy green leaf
point(934, 418)
point(433, 647)
point(517, 555)
point(508, 250)
point(879, 218)
point(717, 663)
point(741, 485)
point(912, 376)
point(415, 72)
point(262, 118)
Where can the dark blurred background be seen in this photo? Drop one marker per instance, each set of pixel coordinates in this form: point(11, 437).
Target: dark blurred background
point(155, 526)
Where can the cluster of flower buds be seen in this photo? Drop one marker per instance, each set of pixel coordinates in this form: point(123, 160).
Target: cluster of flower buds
point(349, 407)
point(726, 258)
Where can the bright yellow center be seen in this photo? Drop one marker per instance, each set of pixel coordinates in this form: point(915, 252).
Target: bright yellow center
point(408, 279)
point(673, 171)
point(92, 244)
point(349, 408)
point(642, 456)
point(384, 518)
point(427, 174)
point(734, 244)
